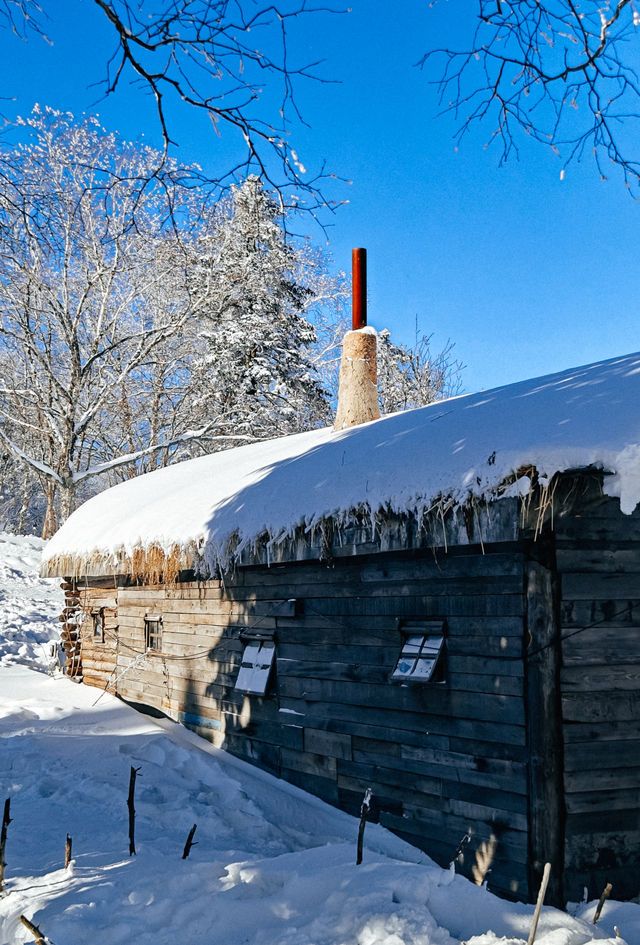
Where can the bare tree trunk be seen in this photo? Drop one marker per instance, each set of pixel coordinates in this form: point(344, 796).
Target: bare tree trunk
point(50, 525)
point(66, 503)
point(24, 508)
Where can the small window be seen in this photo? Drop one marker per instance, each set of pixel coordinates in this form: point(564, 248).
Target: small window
point(153, 632)
point(97, 621)
point(421, 658)
point(257, 660)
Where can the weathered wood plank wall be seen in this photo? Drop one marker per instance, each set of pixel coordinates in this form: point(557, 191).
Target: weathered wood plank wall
point(442, 758)
point(598, 557)
point(537, 758)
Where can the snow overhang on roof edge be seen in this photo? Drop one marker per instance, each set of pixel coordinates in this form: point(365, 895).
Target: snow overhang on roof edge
point(206, 510)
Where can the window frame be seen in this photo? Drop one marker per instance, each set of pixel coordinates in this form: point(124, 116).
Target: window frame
point(97, 625)
point(432, 631)
point(261, 642)
point(153, 639)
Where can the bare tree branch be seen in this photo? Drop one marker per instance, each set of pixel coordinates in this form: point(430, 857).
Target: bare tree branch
point(565, 73)
point(227, 59)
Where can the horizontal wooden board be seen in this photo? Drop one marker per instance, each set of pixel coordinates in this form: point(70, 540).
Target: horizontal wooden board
point(408, 795)
point(581, 852)
point(603, 800)
point(369, 732)
point(459, 605)
point(282, 736)
point(598, 560)
point(311, 763)
point(604, 821)
point(432, 699)
point(609, 755)
point(605, 533)
point(596, 732)
point(599, 586)
point(331, 744)
point(608, 707)
point(345, 586)
point(387, 789)
point(620, 776)
point(355, 672)
point(421, 833)
point(426, 725)
point(446, 768)
point(589, 613)
point(383, 567)
point(602, 678)
point(324, 788)
point(258, 753)
point(598, 645)
point(367, 655)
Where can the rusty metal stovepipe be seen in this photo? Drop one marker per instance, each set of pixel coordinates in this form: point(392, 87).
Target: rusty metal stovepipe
point(359, 281)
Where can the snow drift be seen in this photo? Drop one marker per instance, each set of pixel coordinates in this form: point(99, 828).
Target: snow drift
point(207, 509)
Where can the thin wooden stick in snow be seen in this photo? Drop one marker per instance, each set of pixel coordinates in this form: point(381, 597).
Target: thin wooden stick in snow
point(35, 931)
point(606, 892)
point(190, 842)
point(132, 810)
point(460, 848)
point(364, 810)
point(67, 852)
point(542, 893)
point(6, 820)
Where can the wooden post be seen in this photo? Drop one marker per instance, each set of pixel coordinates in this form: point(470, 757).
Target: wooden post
point(544, 733)
point(460, 848)
point(364, 810)
point(606, 892)
point(132, 810)
point(6, 820)
point(541, 895)
point(35, 931)
point(190, 842)
point(67, 852)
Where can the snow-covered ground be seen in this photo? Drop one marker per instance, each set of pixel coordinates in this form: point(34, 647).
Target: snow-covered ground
point(29, 605)
point(272, 865)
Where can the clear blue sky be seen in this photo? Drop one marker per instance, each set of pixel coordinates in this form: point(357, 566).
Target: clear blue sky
point(524, 272)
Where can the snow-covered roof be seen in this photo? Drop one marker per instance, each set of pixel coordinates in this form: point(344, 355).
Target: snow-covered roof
point(201, 509)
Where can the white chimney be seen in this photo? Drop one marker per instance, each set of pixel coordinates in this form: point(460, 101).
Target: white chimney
point(358, 382)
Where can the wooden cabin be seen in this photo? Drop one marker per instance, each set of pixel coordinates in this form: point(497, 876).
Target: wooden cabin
point(442, 605)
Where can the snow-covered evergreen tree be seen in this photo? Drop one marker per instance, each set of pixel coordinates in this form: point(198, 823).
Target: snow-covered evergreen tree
point(140, 323)
point(257, 371)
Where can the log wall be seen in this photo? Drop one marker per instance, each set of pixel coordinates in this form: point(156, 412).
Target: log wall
point(99, 655)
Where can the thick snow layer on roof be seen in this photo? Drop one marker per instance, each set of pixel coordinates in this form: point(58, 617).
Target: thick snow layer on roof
point(586, 417)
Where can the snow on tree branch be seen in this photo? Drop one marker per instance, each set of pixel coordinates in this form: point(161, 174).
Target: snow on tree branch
point(130, 338)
